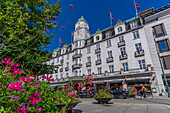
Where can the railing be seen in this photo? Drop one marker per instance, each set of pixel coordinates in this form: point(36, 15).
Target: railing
point(110, 59)
point(77, 56)
point(76, 66)
point(61, 70)
point(139, 53)
point(98, 62)
point(121, 43)
point(98, 50)
point(66, 69)
point(122, 57)
point(61, 61)
point(88, 64)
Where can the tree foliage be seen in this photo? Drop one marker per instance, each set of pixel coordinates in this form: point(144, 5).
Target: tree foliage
point(24, 32)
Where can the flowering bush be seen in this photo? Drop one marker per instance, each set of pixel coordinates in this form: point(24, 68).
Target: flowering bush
point(23, 92)
point(102, 93)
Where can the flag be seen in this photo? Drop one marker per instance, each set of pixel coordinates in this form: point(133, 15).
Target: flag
point(61, 41)
point(137, 7)
point(72, 34)
point(111, 17)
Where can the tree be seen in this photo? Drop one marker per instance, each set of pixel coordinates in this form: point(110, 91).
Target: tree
point(24, 32)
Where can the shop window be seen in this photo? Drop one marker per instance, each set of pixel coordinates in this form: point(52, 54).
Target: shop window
point(163, 46)
point(166, 62)
point(159, 30)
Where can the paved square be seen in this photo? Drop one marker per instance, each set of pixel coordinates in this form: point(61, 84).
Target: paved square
point(121, 106)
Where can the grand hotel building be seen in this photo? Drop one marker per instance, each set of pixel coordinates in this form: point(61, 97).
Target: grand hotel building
point(123, 56)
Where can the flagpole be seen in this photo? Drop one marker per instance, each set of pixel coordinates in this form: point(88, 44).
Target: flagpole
point(59, 42)
point(110, 20)
point(136, 9)
point(71, 37)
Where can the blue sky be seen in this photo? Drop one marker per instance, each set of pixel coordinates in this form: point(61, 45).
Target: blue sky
point(96, 13)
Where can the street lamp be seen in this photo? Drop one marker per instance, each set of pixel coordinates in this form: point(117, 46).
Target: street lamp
point(166, 83)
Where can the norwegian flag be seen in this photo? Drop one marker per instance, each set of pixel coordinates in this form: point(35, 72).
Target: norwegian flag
point(111, 17)
point(137, 7)
point(61, 41)
point(72, 34)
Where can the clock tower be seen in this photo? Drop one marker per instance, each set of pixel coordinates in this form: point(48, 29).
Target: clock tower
point(81, 30)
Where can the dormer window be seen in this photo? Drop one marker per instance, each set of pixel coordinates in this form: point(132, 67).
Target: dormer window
point(119, 29)
point(97, 37)
point(88, 42)
point(80, 43)
point(134, 24)
point(108, 34)
point(76, 44)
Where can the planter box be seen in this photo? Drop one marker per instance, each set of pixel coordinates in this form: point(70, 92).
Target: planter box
point(103, 100)
point(69, 107)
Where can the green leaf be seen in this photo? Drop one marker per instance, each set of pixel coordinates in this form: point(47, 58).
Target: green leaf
point(1, 108)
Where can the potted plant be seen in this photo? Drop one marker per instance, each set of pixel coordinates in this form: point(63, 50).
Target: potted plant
point(131, 93)
point(103, 96)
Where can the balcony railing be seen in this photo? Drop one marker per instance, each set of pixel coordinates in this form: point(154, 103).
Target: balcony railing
point(61, 61)
point(121, 43)
point(88, 64)
point(98, 62)
point(139, 53)
point(110, 59)
point(98, 50)
point(123, 56)
point(66, 69)
point(77, 56)
point(61, 70)
point(76, 66)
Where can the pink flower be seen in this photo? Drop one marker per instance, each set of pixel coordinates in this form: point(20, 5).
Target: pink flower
point(72, 111)
point(87, 93)
point(32, 75)
point(66, 87)
point(87, 79)
point(78, 83)
point(39, 109)
point(26, 6)
point(55, 23)
point(92, 79)
point(37, 85)
point(55, 17)
point(15, 64)
point(48, 78)
point(7, 61)
point(16, 71)
point(15, 86)
point(22, 108)
point(71, 84)
point(46, 30)
point(25, 79)
point(46, 18)
point(72, 88)
point(75, 95)
point(70, 94)
point(71, 6)
point(34, 98)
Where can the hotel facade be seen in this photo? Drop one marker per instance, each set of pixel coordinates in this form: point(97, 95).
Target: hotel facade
point(122, 56)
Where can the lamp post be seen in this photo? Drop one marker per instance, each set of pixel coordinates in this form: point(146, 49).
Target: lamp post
point(166, 83)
